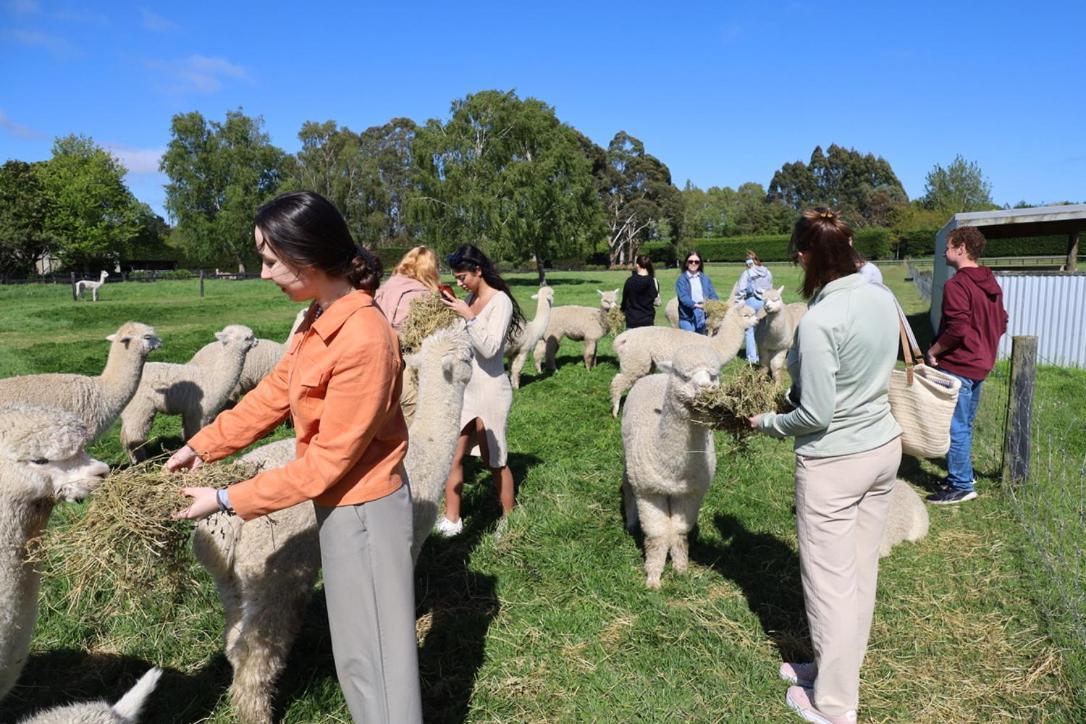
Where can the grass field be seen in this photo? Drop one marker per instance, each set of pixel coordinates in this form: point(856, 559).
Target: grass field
point(552, 622)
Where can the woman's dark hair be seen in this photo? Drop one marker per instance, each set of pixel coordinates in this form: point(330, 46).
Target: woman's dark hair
point(469, 257)
point(306, 231)
point(693, 252)
point(823, 238)
point(645, 263)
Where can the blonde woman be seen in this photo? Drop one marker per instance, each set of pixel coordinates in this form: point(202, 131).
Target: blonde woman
point(415, 274)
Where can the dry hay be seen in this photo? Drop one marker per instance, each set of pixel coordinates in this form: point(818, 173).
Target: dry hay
point(125, 547)
point(614, 320)
point(715, 311)
point(739, 396)
point(426, 315)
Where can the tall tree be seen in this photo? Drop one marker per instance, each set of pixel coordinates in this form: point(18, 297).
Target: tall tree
point(24, 214)
point(961, 186)
point(92, 213)
point(220, 174)
point(505, 173)
point(637, 195)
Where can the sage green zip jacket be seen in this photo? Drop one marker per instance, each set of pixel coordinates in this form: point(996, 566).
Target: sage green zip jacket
point(845, 347)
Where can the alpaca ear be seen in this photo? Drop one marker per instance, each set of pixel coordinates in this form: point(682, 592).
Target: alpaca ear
point(781, 291)
point(615, 291)
point(111, 337)
point(535, 296)
point(599, 292)
point(221, 337)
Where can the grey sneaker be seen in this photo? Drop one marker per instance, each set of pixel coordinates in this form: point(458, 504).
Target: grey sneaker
point(951, 496)
point(801, 674)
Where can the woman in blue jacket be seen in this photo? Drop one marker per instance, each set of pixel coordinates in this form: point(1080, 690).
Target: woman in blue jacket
point(693, 288)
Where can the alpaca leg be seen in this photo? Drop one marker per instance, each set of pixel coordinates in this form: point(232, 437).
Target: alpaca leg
point(537, 355)
point(516, 367)
point(619, 384)
point(629, 503)
point(684, 516)
point(552, 353)
point(589, 353)
point(654, 515)
point(136, 423)
point(776, 365)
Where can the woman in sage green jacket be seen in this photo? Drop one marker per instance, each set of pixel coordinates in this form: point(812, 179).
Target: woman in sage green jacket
point(848, 449)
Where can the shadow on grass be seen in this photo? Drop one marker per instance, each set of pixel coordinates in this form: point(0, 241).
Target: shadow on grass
point(767, 570)
point(67, 676)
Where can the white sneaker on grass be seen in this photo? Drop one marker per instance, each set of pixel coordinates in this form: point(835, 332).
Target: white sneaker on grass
point(801, 674)
point(447, 529)
point(799, 699)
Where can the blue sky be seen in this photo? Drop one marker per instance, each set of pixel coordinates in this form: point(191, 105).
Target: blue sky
point(723, 92)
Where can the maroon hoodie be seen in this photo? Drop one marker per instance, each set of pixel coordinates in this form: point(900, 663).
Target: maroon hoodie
point(972, 323)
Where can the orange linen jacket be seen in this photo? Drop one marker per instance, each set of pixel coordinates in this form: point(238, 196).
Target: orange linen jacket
point(340, 380)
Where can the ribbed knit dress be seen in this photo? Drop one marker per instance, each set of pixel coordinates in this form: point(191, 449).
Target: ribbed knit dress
point(489, 395)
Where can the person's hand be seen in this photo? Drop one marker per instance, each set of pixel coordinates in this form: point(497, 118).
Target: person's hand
point(459, 306)
point(755, 421)
point(184, 459)
point(699, 305)
point(930, 360)
point(204, 502)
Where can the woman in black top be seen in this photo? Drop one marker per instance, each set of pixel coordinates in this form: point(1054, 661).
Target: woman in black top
point(641, 295)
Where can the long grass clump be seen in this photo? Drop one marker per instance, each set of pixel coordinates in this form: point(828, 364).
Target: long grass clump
point(426, 315)
point(614, 320)
point(741, 395)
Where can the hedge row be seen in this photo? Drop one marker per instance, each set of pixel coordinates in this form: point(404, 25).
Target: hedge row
point(921, 243)
point(873, 243)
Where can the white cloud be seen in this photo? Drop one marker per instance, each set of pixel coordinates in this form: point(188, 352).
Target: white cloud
point(136, 160)
point(198, 73)
point(18, 129)
point(155, 22)
point(36, 39)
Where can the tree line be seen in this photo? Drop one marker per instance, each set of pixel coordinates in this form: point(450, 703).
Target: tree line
point(500, 171)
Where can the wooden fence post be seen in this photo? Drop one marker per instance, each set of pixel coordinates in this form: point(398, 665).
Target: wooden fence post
point(74, 298)
point(1019, 410)
point(201, 284)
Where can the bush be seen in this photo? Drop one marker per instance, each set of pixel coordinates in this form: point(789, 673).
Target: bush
point(919, 243)
point(660, 253)
point(390, 256)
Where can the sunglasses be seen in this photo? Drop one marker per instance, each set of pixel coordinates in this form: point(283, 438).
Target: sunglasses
point(693, 261)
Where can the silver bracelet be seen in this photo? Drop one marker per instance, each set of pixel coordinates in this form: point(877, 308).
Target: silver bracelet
point(224, 501)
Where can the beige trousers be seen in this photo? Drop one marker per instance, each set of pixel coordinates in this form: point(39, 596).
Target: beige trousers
point(409, 394)
point(841, 508)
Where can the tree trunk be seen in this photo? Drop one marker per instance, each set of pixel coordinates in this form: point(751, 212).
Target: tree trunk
point(1072, 251)
point(540, 270)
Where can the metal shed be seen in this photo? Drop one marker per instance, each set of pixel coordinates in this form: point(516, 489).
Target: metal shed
point(1050, 305)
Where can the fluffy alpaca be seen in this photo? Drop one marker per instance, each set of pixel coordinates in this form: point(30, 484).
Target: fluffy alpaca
point(98, 401)
point(640, 348)
point(84, 284)
point(530, 335)
point(196, 390)
point(260, 360)
point(577, 323)
point(907, 520)
point(671, 311)
point(776, 331)
point(125, 711)
point(670, 459)
point(42, 460)
point(265, 569)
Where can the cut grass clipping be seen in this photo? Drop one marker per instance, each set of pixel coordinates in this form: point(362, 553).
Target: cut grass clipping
point(125, 549)
point(426, 315)
point(614, 320)
point(746, 392)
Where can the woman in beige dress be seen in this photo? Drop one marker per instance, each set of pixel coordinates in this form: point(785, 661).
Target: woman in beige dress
point(492, 317)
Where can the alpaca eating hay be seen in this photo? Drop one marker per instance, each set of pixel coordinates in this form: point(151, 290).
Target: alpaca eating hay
point(740, 396)
point(426, 315)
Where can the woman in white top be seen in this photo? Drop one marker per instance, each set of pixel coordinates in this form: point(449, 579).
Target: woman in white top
point(492, 316)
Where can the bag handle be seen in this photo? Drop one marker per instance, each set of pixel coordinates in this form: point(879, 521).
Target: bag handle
point(910, 349)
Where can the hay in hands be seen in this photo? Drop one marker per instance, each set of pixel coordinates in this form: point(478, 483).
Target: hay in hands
point(125, 551)
point(425, 316)
point(614, 320)
point(741, 395)
point(715, 311)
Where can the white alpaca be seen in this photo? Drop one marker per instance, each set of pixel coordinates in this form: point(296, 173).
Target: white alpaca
point(776, 331)
point(97, 401)
point(671, 311)
point(530, 335)
point(640, 348)
point(196, 390)
point(577, 323)
point(84, 284)
point(125, 711)
point(42, 460)
point(669, 458)
point(265, 569)
point(907, 519)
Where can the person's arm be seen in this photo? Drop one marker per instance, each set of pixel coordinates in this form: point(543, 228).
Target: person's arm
point(682, 291)
point(956, 321)
point(487, 335)
point(403, 306)
point(625, 295)
point(818, 365)
point(741, 286)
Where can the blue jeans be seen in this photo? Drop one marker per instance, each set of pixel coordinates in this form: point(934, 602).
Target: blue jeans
point(959, 459)
point(695, 325)
point(752, 349)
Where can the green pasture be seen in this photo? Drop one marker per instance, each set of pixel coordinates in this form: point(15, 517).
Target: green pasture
point(552, 621)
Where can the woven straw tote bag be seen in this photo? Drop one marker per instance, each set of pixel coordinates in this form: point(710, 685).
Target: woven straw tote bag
point(922, 399)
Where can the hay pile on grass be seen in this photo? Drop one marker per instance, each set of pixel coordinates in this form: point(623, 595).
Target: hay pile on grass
point(614, 320)
point(746, 392)
point(125, 548)
point(425, 316)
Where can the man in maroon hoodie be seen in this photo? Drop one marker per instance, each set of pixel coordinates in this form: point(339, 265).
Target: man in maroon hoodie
point(973, 321)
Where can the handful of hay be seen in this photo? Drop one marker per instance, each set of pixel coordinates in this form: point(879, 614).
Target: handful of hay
point(125, 547)
point(739, 396)
point(715, 311)
point(614, 320)
point(425, 316)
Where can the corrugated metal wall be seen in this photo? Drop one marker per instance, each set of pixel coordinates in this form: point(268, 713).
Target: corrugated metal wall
point(1053, 308)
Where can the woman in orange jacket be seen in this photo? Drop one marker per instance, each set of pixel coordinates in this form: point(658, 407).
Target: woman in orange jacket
point(340, 382)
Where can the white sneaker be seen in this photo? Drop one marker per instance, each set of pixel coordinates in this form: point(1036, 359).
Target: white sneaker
point(801, 674)
point(447, 529)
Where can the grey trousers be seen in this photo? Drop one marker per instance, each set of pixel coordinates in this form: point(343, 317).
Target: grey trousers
point(370, 591)
point(841, 508)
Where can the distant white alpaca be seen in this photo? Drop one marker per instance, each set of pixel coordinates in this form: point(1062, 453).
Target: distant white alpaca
point(776, 331)
point(196, 391)
point(84, 284)
point(640, 348)
point(670, 459)
point(42, 460)
point(125, 711)
point(265, 569)
point(97, 401)
point(907, 519)
point(529, 335)
point(577, 323)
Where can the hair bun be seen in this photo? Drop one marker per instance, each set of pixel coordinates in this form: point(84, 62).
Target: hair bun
point(365, 270)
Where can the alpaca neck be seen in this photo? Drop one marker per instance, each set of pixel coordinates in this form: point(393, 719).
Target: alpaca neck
point(434, 432)
point(121, 375)
point(20, 522)
point(218, 386)
point(729, 338)
point(676, 434)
